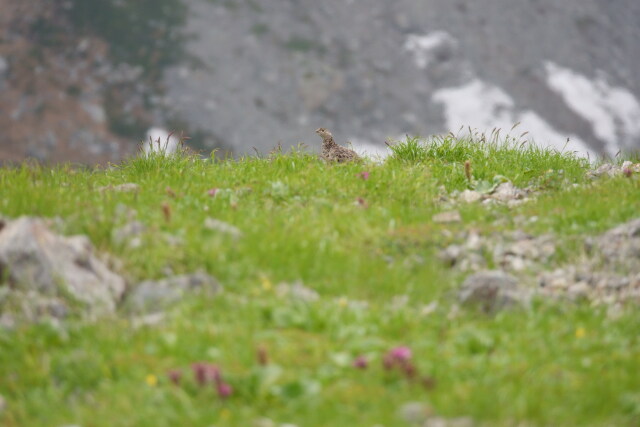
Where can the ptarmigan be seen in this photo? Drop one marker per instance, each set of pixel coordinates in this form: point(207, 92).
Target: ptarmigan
point(332, 152)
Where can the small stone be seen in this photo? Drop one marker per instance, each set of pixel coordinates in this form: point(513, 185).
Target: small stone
point(473, 241)
point(414, 412)
point(129, 233)
point(451, 254)
point(506, 192)
point(473, 262)
point(398, 302)
point(128, 187)
point(447, 217)
point(153, 296)
point(470, 196)
point(7, 321)
point(449, 422)
point(578, 290)
point(264, 422)
point(606, 168)
point(3, 404)
point(222, 227)
point(297, 291)
point(491, 290)
point(152, 319)
point(429, 308)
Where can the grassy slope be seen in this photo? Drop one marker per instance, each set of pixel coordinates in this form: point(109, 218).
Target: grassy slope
point(301, 221)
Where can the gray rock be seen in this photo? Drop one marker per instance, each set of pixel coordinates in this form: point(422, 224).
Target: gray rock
point(523, 252)
point(451, 254)
point(620, 246)
point(264, 422)
point(36, 259)
point(128, 233)
point(449, 422)
point(414, 412)
point(127, 187)
point(297, 291)
point(447, 217)
point(470, 196)
point(154, 296)
point(506, 191)
point(515, 251)
point(222, 227)
point(491, 290)
point(147, 320)
point(35, 306)
point(609, 169)
point(590, 281)
point(7, 321)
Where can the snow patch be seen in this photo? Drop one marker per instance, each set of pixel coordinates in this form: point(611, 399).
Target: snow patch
point(168, 143)
point(425, 48)
point(484, 107)
point(368, 149)
point(613, 111)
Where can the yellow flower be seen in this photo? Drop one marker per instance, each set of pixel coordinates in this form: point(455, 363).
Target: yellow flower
point(343, 301)
point(225, 414)
point(151, 380)
point(581, 332)
point(266, 283)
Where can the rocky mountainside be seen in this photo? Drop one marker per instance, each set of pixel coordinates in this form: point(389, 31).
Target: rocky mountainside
point(276, 70)
point(77, 80)
point(238, 74)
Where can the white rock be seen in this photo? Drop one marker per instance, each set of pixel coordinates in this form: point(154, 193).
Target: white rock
point(470, 196)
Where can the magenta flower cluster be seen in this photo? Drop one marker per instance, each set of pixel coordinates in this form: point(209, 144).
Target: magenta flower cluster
point(397, 359)
point(204, 374)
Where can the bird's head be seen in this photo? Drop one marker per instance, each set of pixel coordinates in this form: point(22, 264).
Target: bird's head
point(323, 133)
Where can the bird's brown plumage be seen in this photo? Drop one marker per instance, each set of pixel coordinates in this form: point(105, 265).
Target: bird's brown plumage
point(332, 152)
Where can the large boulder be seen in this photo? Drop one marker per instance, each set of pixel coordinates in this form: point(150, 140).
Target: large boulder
point(33, 258)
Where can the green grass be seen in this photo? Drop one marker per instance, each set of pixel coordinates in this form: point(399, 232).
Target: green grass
point(359, 243)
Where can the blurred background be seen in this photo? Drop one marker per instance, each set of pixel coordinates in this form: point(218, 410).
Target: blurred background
point(88, 80)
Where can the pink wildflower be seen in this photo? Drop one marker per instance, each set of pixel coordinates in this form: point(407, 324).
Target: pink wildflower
point(212, 192)
point(409, 369)
point(388, 362)
point(175, 376)
point(224, 390)
point(361, 362)
point(205, 373)
point(364, 175)
point(397, 356)
point(400, 354)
